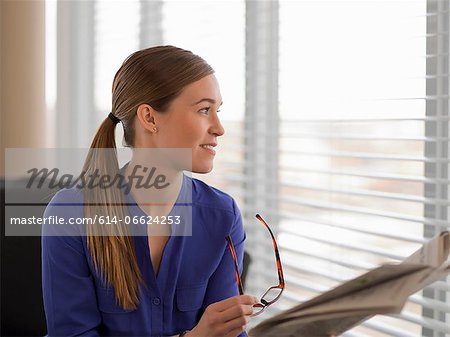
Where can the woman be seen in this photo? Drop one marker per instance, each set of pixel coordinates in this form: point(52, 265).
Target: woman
point(151, 278)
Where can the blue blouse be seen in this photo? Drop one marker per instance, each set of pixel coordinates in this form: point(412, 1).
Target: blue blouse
point(195, 270)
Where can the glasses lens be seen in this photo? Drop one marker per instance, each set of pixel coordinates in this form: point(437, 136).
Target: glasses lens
point(271, 295)
point(257, 309)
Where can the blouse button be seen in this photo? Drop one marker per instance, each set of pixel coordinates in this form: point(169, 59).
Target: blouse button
point(156, 301)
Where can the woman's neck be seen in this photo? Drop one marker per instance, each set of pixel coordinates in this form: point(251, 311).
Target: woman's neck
point(154, 188)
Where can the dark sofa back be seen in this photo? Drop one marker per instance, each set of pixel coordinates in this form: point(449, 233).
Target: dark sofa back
point(22, 310)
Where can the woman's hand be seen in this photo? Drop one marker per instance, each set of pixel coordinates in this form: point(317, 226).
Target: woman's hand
point(227, 318)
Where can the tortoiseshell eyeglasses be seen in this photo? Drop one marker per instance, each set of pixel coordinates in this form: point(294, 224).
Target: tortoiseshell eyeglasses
point(273, 293)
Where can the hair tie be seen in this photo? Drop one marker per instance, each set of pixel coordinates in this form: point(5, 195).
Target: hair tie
point(113, 118)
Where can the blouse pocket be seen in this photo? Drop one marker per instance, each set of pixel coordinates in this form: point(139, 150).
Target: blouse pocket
point(190, 298)
point(107, 302)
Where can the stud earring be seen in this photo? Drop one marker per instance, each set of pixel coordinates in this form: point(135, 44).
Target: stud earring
point(155, 129)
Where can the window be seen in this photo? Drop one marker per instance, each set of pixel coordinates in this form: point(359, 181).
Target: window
point(336, 118)
point(216, 31)
point(357, 151)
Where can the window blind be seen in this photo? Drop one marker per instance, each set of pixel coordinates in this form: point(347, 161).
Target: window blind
point(215, 30)
point(437, 106)
point(116, 35)
point(336, 118)
point(362, 149)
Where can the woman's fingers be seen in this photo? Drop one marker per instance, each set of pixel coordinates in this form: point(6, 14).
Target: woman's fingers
point(236, 322)
point(226, 318)
point(233, 301)
point(238, 310)
point(237, 315)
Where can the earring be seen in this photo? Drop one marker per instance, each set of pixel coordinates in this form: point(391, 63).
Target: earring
point(155, 129)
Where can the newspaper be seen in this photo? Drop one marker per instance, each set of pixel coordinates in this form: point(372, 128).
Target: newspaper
point(382, 290)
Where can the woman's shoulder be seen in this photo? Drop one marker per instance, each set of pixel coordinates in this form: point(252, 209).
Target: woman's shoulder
point(66, 202)
point(206, 195)
point(71, 195)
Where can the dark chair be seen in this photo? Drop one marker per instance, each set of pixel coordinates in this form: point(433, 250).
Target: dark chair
point(22, 309)
point(247, 261)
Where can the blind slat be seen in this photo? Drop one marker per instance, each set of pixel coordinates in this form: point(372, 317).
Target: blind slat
point(394, 177)
point(367, 156)
point(336, 224)
point(371, 194)
point(359, 210)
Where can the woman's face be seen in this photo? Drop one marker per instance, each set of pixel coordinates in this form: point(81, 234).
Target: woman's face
point(192, 122)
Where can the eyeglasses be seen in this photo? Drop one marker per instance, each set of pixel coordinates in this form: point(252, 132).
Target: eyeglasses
point(273, 293)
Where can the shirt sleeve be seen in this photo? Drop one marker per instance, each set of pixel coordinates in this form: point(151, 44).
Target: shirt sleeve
point(70, 301)
point(222, 284)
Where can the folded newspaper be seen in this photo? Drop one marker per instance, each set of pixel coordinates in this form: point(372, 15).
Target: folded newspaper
point(383, 290)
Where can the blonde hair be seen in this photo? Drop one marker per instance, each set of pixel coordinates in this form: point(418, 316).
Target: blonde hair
point(155, 76)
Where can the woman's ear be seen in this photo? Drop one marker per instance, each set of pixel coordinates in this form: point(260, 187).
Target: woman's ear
point(146, 117)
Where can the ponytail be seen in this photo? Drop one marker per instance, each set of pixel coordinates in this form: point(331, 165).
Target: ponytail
point(111, 246)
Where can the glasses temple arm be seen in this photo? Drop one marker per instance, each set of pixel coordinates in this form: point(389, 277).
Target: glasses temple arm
point(236, 268)
point(275, 247)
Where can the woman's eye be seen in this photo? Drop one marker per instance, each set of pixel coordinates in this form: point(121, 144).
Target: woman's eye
point(204, 110)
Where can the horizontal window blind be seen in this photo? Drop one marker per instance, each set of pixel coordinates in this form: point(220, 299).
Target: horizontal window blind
point(336, 119)
point(215, 30)
point(438, 70)
point(116, 26)
point(357, 151)
point(116, 35)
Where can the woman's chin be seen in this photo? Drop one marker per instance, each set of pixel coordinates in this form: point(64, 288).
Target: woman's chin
point(202, 169)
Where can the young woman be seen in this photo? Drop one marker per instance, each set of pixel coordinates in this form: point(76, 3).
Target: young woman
point(134, 278)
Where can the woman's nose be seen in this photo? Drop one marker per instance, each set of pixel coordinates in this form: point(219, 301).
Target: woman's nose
point(217, 127)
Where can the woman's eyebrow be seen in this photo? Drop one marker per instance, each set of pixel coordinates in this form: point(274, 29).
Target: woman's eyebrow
point(210, 100)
